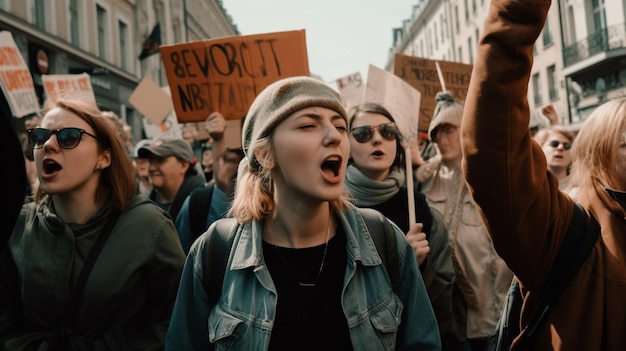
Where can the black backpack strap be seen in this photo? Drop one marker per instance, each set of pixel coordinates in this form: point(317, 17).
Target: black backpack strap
point(384, 238)
point(199, 203)
point(577, 244)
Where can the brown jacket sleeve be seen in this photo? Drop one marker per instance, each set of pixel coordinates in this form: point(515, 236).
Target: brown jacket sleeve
point(506, 170)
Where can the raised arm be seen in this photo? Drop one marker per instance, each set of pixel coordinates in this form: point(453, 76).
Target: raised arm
point(506, 171)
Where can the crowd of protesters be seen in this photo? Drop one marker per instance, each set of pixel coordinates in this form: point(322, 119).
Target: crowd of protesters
point(302, 238)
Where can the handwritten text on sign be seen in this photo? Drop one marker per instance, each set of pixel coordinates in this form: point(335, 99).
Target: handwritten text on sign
point(422, 74)
point(226, 74)
point(15, 78)
point(72, 86)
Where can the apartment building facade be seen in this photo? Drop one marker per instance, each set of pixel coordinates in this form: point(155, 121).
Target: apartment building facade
point(580, 56)
point(104, 39)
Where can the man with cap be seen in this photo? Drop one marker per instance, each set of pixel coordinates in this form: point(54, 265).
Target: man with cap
point(172, 172)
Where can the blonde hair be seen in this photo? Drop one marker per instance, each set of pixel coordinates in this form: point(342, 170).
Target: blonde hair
point(543, 134)
point(596, 147)
point(254, 190)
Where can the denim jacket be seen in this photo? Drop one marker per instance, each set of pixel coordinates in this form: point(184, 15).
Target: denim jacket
point(244, 316)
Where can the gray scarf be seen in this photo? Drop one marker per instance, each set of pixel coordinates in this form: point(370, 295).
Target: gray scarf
point(370, 192)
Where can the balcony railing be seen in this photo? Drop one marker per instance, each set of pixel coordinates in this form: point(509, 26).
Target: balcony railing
point(606, 39)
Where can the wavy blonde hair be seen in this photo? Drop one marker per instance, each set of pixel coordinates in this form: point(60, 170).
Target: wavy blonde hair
point(595, 149)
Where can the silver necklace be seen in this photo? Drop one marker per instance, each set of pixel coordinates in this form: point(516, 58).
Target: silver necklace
point(319, 273)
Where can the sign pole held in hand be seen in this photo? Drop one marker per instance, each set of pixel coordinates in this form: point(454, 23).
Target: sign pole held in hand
point(443, 82)
point(409, 183)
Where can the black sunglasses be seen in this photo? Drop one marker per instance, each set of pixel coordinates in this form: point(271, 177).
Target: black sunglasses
point(363, 134)
point(68, 138)
point(555, 144)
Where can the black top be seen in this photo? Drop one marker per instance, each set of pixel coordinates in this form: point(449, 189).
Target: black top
point(397, 210)
point(309, 317)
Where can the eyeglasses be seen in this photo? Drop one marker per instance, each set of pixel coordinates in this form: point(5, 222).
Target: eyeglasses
point(68, 138)
point(555, 144)
point(364, 134)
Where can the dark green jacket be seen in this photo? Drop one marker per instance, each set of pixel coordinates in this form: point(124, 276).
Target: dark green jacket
point(128, 298)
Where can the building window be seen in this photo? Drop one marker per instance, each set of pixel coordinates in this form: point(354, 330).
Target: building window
point(547, 34)
point(429, 44)
point(460, 54)
point(474, 6)
point(571, 26)
point(477, 35)
point(74, 22)
point(599, 14)
point(444, 29)
point(101, 25)
point(177, 32)
point(553, 92)
point(456, 19)
point(537, 89)
point(436, 37)
point(470, 50)
point(123, 33)
point(38, 13)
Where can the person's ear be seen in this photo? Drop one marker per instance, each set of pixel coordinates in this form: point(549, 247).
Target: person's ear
point(104, 160)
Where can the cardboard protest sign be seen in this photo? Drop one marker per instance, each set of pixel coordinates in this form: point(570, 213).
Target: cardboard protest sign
point(151, 100)
point(422, 74)
point(15, 79)
point(351, 89)
point(75, 86)
point(226, 74)
point(397, 96)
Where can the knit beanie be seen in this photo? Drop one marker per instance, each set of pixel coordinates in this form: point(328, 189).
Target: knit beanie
point(278, 101)
point(447, 111)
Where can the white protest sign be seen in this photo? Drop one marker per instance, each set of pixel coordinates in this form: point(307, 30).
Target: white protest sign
point(168, 127)
point(351, 88)
point(15, 79)
point(69, 86)
point(397, 96)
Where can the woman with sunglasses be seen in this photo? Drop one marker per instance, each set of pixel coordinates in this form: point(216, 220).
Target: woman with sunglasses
point(90, 265)
point(303, 271)
point(482, 277)
point(375, 178)
point(556, 142)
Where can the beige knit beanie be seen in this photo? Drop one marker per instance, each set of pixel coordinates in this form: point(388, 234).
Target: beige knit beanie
point(447, 111)
point(278, 101)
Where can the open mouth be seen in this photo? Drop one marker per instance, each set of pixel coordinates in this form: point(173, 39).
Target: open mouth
point(332, 165)
point(378, 153)
point(50, 166)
